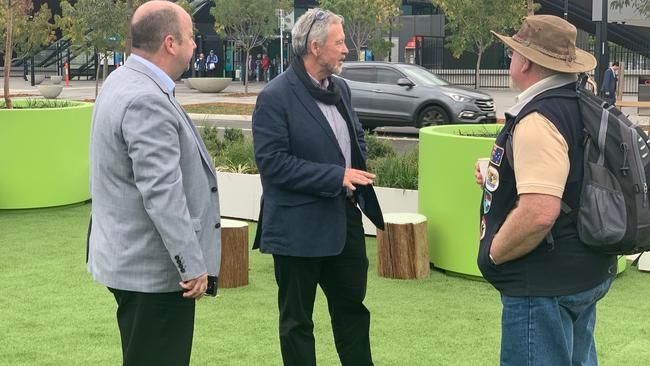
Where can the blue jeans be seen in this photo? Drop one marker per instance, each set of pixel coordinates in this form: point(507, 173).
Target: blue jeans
point(556, 331)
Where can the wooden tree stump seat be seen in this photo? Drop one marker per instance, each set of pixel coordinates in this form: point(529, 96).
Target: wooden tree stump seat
point(234, 254)
point(402, 249)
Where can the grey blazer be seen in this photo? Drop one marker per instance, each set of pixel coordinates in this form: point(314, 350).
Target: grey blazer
point(155, 213)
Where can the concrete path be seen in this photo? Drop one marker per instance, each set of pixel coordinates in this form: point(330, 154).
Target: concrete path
point(82, 89)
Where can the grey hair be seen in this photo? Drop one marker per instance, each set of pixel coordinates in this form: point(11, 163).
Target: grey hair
point(318, 32)
point(543, 72)
point(150, 30)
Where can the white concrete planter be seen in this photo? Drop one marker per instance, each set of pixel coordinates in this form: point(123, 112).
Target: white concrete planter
point(56, 79)
point(50, 91)
point(210, 85)
point(392, 200)
point(188, 83)
point(38, 78)
point(239, 197)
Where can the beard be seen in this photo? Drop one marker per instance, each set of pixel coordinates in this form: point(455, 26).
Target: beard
point(333, 69)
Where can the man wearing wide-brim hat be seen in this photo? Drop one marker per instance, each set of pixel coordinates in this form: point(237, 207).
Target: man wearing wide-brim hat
point(530, 251)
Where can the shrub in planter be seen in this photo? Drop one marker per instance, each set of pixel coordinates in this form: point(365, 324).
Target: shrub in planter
point(377, 148)
point(396, 171)
point(231, 153)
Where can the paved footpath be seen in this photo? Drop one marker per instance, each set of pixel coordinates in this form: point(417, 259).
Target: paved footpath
point(82, 89)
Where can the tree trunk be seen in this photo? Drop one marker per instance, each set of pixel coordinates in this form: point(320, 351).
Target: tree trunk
point(8, 51)
point(477, 71)
point(402, 249)
point(96, 77)
point(128, 43)
point(248, 52)
point(105, 68)
point(531, 10)
point(234, 254)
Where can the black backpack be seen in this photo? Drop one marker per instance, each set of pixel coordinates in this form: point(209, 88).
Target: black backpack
point(613, 216)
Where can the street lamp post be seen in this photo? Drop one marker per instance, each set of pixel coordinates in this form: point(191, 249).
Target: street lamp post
point(281, 13)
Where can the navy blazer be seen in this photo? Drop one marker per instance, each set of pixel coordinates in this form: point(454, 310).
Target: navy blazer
point(301, 167)
point(609, 83)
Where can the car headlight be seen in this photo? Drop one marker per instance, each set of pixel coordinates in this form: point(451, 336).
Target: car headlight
point(459, 98)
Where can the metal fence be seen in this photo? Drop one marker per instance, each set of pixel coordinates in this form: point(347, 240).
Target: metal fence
point(431, 53)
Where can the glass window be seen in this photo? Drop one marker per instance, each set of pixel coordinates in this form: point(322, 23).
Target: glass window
point(387, 76)
point(360, 74)
point(420, 75)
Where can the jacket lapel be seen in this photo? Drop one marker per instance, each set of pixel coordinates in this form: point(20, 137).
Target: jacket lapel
point(310, 105)
point(195, 133)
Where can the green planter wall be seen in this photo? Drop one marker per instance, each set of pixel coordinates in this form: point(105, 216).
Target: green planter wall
point(44, 156)
point(448, 194)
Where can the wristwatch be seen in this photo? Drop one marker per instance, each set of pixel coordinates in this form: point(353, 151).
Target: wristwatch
point(492, 259)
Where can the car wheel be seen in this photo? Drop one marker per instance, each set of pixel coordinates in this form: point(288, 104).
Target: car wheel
point(432, 116)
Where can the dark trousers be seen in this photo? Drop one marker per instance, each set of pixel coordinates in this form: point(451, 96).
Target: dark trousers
point(156, 328)
point(343, 279)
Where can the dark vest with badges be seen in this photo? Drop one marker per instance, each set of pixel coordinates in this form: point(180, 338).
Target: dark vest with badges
point(557, 267)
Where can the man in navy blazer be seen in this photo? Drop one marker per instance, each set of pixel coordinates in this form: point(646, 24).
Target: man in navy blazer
point(310, 152)
point(608, 89)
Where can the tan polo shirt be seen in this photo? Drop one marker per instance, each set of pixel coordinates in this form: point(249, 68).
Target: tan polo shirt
point(540, 152)
point(541, 156)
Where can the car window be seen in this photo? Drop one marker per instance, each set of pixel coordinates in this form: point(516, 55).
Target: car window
point(421, 75)
point(387, 76)
point(360, 74)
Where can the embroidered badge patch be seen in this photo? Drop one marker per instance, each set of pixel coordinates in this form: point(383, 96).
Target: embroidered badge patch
point(492, 180)
point(497, 155)
point(487, 202)
point(483, 226)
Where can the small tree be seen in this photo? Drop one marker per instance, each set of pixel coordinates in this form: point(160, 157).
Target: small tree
point(470, 23)
point(250, 23)
point(23, 32)
point(97, 25)
point(366, 21)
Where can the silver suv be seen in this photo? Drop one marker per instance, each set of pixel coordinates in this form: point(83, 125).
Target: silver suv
point(395, 94)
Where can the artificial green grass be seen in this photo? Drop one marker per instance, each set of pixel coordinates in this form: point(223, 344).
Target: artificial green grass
point(52, 313)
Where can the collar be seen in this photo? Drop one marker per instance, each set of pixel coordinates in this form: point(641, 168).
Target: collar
point(169, 83)
point(324, 85)
point(551, 82)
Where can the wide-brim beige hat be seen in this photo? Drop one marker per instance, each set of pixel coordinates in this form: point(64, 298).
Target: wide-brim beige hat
point(550, 41)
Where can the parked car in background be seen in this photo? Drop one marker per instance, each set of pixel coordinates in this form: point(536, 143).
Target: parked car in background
point(397, 94)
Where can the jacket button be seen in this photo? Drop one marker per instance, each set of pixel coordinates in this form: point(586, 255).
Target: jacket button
point(182, 270)
point(217, 225)
point(213, 189)
point(177, 257)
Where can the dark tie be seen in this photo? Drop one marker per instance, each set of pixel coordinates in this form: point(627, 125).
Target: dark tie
point(174, 92)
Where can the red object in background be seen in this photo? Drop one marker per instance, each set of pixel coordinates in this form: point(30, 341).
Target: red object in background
point(411, 42)
point(67, 79)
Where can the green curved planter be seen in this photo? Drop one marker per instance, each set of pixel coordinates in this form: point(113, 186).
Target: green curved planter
point(44, 156)
point(448, 194)
point(449, 197)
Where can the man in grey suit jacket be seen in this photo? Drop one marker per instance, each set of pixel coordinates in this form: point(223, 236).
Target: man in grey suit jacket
point(155, 234)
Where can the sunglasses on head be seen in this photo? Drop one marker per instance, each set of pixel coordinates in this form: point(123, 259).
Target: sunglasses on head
point(320, 15)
